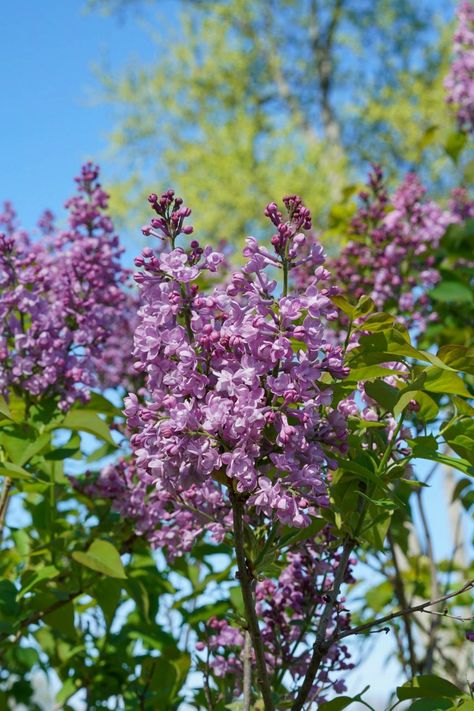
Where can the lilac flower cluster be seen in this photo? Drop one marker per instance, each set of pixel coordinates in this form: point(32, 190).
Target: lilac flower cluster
point(234, 375)
point(460, 81)
point(391, 255)
point(289, 610)
point(168, 521)
point(61, 297)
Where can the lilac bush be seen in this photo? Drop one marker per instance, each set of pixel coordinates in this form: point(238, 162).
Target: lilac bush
point(62, 299)
point(391, 256)
point(460, 81)
point(289, 610)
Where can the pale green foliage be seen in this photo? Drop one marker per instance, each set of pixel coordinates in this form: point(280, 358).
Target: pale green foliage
point(249, 100)
point(408, 125)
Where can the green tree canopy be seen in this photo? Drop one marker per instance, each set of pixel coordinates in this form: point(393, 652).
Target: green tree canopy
point(249, 100)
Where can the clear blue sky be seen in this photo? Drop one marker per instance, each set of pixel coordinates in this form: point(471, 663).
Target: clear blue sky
point(48, 122)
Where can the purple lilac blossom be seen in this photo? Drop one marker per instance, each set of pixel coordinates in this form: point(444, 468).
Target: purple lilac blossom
point(391, 255)
point(460, 80)
point(234, 374)
point(62, 298)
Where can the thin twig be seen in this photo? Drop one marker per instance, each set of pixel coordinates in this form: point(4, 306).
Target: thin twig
point(247, 663)
point(4, 502)
point(451, 617)
point(401, 613)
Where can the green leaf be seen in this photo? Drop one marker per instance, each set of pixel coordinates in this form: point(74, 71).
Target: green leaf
point(17, 408)
point(423, 446)
point(452, 292)
point(13, 471)
point(344, 305)
point(103, 451)
point(107, 592)
point(467, 704)
point(47, 573)
point(428, 686)
point(152, 636)
point(62, 620)
point(444, 381)
point(458, 463)
point(98, 403)
point(383, 393)
point(430, 705)
point(39, 445)
point(182, 665)
point(237, 599)
point(164, 681)
point(84, 421)
point(364, 306)
point(370, 372)
point(66, 691)
point(458, 357)
point(379, 322)
point(460, 437)
point(428, 408)
point(102, 557)
point(454, 145)
point(9, 607)
point(4, 409)
point(379, 596)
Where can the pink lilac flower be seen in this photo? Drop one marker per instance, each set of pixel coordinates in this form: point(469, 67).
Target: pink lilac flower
point(460, 80)
point(391, 255)
point(62, 298)
point(233, 373)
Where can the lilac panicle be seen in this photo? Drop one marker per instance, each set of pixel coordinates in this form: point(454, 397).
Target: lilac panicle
point(460, 80)
point(233, 374)
point(62, 298)
point(391, 254)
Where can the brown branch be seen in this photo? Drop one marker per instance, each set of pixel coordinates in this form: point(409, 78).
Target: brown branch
point(322, 643)
point(245, 579)
point(7, 484)
point(247, 683)
point(401, 613)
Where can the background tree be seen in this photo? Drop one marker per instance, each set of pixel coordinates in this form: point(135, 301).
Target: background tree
point(248, 100)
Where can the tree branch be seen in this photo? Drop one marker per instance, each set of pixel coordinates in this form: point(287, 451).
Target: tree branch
point(401, 613)
point(245, 579)
point(322, 643)
point(4, 502)
point(247, 672)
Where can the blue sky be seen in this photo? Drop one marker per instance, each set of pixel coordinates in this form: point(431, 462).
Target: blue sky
point(49, 123)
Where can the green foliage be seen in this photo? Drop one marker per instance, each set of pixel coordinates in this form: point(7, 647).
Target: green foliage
point(244, 106)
